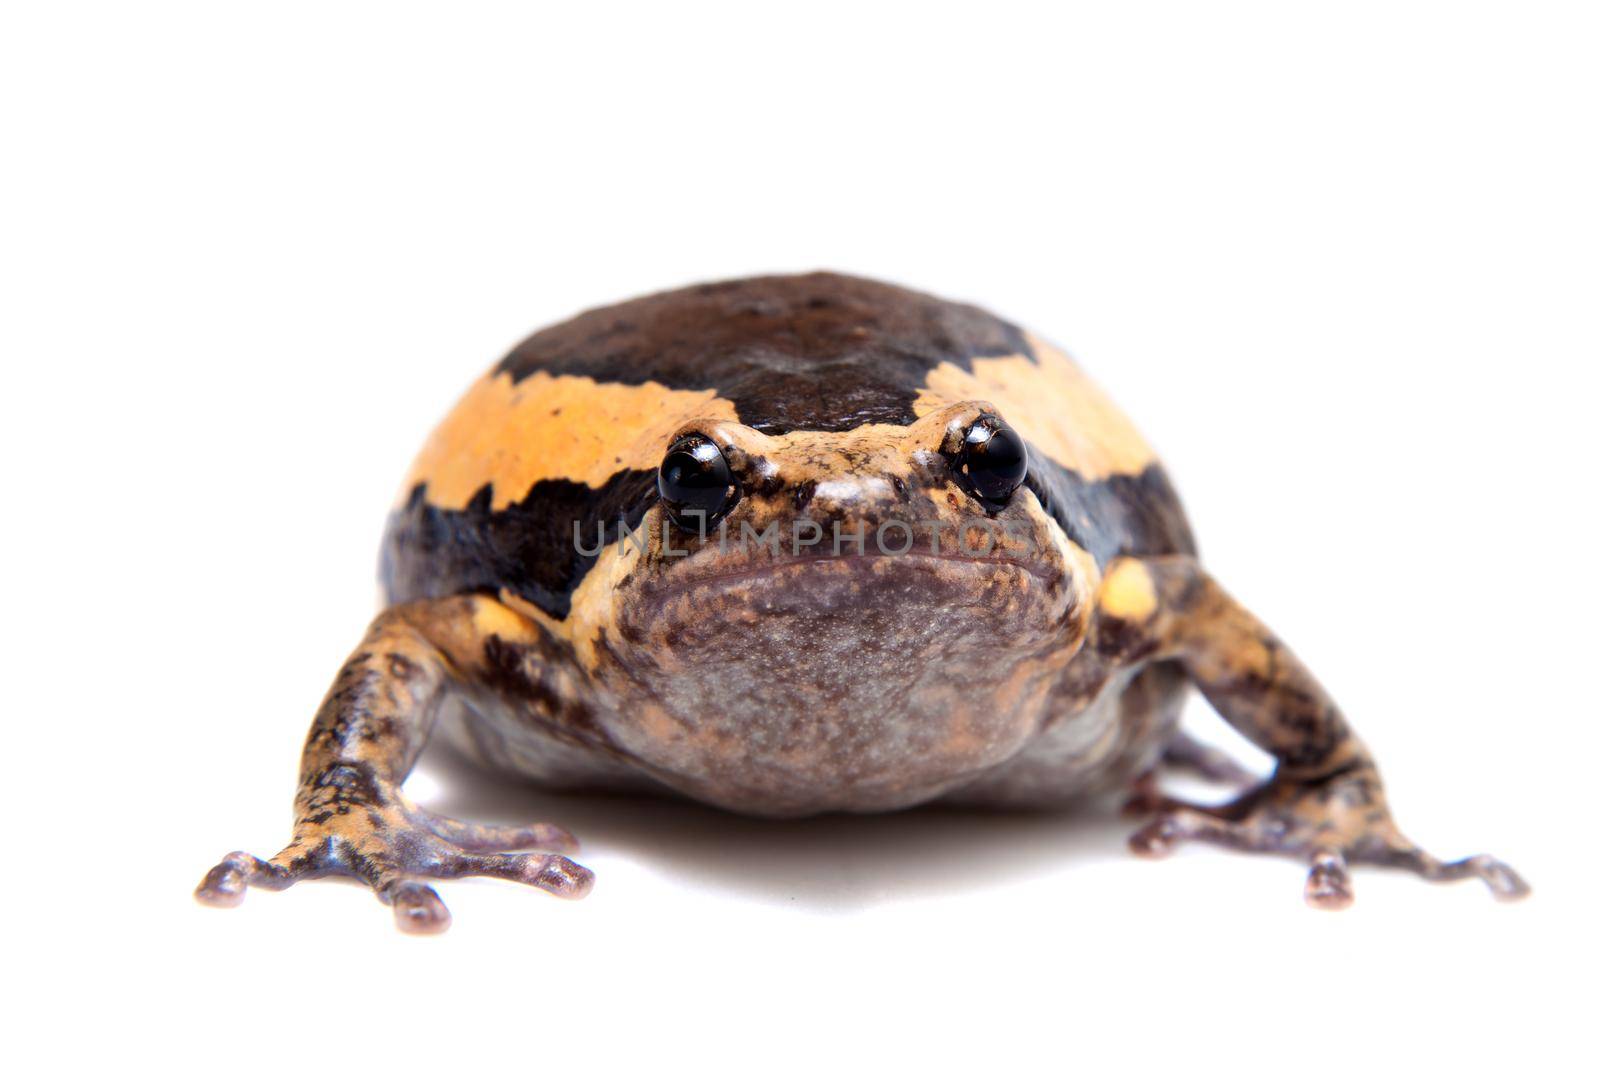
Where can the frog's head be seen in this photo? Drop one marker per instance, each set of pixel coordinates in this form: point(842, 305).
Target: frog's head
point(843, 600)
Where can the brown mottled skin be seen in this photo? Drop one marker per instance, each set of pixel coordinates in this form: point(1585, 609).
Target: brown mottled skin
point(906, 632)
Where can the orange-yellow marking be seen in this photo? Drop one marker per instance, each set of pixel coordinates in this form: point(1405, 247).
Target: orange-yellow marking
point(563, 426)
point(1052, 403)
point(1128, 591)
point(491, 618)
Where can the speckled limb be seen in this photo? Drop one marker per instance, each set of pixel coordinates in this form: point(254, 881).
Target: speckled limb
point(351, 818)
point(1325, 801)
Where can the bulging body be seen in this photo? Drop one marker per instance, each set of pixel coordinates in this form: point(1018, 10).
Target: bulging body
point(798, 544)
point(857, 629)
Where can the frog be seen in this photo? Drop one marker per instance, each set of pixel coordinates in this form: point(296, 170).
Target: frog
point(797, 544)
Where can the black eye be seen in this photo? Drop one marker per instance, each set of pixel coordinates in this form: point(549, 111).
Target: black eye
point(695, 483)
point(994, 461)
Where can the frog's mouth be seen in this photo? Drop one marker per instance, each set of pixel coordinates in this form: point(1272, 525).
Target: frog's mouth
point(920, 603)
point(736, 569)
point(946, 553)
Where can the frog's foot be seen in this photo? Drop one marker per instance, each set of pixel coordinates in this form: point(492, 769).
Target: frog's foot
point(390, 846)
point(1330, 823)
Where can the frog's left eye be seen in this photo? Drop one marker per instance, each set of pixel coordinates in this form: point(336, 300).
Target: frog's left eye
point(993, 461)
point(695, 483)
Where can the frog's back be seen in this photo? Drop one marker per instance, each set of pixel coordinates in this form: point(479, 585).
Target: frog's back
point(567, 430)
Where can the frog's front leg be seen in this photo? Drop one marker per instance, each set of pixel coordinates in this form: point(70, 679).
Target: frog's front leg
point(351, 818)
point(1325, 802)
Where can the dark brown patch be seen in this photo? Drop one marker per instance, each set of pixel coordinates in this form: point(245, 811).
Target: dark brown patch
point(1121, 515)
point(799, 352)
point(529, 548)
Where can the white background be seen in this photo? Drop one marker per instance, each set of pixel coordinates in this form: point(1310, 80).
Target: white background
point(1338, 261)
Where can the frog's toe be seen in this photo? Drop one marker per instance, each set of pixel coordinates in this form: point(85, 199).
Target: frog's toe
point(553, 873)
point(417, 908)
point(563, 878)
point(1390, 849)
point(224, 885)
point(1328, 881)
point(1504, 882)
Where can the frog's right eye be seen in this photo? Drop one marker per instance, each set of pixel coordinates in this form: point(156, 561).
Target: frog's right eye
point(695, 483)
point(993, 461)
